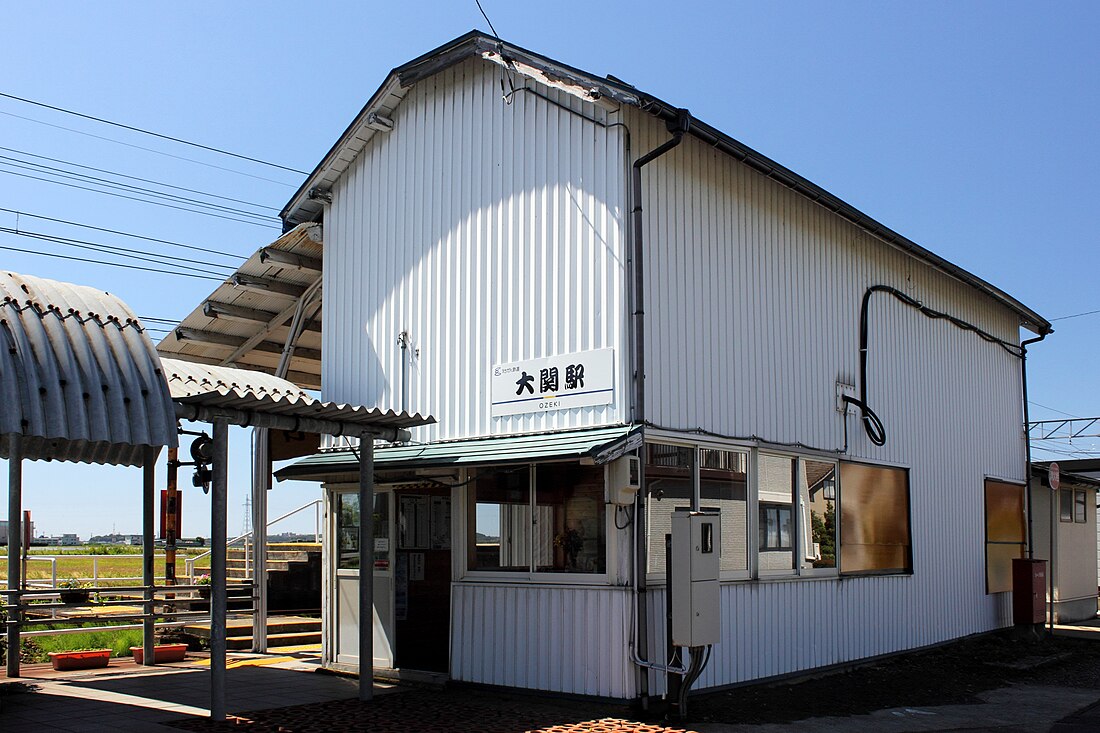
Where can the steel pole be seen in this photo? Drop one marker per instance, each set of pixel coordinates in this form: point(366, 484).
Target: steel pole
point(15, 539)
point(218, 600)
point(366, 568)
point(261, 478)
point(148, 572)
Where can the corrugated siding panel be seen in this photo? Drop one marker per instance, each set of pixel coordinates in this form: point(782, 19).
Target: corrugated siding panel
point(492, 233)
point(556, 638)
point(753, 297)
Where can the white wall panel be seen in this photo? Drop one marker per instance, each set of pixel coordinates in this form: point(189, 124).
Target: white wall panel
point(567, 639)
point(491, 233)
point(752, 300)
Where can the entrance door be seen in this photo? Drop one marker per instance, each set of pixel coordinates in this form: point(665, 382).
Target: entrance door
point(422, 578)
point(345, 604)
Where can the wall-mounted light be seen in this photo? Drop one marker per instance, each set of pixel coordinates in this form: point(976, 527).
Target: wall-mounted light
point(379, 122)
point(828, 489)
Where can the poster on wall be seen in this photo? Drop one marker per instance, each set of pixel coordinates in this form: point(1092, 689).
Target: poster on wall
point(441, 523)
point(562, 382)
point(401, 587)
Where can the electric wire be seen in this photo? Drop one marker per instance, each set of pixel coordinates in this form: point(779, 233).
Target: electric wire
point(1060, 412)
point(1075, 315)
point(144, 201)
point(486, 17)
point(108, 264)
point(128, 187)
point(143, 131)
point(148, 150)
point(119, 251)
point(133, 178)
point(130, 235)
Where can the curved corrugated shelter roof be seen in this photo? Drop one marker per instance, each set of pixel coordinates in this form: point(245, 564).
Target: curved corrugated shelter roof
point(188, 378)
point(79, 377)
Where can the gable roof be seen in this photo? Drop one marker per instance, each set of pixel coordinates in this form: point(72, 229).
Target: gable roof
point(307, 203)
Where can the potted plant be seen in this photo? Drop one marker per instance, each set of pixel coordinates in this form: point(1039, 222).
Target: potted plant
point(203, 581)
point(73, 591)
point(162, 653)
point(80, 659)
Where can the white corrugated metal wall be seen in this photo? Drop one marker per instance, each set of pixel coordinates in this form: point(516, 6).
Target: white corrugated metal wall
point(491, 233)
point(752, 303)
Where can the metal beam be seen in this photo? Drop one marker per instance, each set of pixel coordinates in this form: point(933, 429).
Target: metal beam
point(282, 257)
point(233, 342)
point(218, 598)
point(148, 576)
point(214, 309)
point(267, 285)
point(261, 481)
point(366, 568)
point(285, 315)
point(1064, 429)
point(15, 538)
point(246, 418)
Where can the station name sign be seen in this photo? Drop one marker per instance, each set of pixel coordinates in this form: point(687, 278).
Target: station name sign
point(584, 379)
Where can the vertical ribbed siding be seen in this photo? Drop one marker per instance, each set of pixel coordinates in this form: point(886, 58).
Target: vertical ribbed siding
point(492, 233)
point(557, 638)
point(753, 295)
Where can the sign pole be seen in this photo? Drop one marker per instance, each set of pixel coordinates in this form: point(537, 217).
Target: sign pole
point(1054, 476)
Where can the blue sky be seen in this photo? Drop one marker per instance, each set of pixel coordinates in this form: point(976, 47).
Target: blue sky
point(968, 127)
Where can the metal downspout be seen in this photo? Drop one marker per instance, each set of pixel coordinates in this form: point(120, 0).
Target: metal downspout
point(678, 130)
point(1027, 441)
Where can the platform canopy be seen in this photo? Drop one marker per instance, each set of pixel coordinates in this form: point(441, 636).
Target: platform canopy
point(272, 302)
point(80, 379)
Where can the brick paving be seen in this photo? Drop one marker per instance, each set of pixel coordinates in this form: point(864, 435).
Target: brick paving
point(435, 712)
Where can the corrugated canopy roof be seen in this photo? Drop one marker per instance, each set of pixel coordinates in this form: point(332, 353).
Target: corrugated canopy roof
point(246, 320)
point(599, 445)
point(307, 205)
point(79, 377)
point(242, 390)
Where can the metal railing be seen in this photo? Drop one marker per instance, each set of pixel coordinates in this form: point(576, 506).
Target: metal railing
point(244, 538)
point(95, 577)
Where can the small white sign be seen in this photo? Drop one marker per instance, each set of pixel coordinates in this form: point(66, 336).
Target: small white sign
point(561, 382)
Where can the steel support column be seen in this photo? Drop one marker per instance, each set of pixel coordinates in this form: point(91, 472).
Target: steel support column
point(366, 568)
point(148, 572)
point(15, 540)
point(218, 601)
point(261, 479)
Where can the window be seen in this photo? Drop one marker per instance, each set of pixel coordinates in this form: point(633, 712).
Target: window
point(776, 494)
point(558, 525)
point(874, 519)
point(1078, 506)
point(1005, 533)
point(669, 482)
point(1065, 505)
point(817, 482)
point(347, 531)
point(723, 485)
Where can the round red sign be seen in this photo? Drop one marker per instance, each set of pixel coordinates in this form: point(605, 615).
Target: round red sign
point(1055, 476)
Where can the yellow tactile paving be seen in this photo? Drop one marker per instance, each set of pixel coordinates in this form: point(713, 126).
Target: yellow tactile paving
point(295, 649)
point(247, 662)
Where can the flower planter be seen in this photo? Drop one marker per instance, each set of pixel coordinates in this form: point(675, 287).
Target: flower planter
point(162, 653)
point(76, 595)
point(90, 659)
point(204, 592)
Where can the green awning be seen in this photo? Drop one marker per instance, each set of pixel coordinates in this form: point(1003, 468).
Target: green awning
point(599, 445)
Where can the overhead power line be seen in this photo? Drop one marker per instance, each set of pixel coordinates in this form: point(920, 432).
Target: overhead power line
point(1060, 412)
point(108, 264)
point(134, 178)
point(143, 131)
point(119, 186)
point(148, 150)
point(1075, 315)
point(123, 234)
point(123, 252)
point(144, 201)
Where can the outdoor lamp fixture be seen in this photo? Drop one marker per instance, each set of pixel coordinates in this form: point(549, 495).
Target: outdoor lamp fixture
point(202, 453)
point(377, 122)
point(828, 489)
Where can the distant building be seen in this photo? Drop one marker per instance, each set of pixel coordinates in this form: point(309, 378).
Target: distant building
point(4, 531)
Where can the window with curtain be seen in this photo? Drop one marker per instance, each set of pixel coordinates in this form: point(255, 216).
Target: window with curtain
point(874, 520)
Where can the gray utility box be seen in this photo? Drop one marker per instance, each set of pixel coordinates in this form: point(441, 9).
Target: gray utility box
point(696, 549)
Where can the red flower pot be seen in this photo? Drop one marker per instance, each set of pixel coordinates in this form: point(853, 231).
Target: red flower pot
point(162, 653)
point(92, 659)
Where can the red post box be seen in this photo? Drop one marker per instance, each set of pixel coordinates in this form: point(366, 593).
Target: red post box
point(1029, 591)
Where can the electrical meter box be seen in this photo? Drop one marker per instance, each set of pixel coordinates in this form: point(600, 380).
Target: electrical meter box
point(623, 480)
point(696, 550)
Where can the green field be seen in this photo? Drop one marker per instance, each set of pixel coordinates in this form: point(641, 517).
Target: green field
point(107, 566)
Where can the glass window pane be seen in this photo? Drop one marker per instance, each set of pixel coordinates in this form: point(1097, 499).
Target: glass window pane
point(500, 521)
point(722, 485)
point(817, 485)
point(668, 483)
point(1079, 506)
point(1005, 533)
point(1065, 505)
point(776, 476)
point(874, 519)
point(570, 527)
point(347, 531)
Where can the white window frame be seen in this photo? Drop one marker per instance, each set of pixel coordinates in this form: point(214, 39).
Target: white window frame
point(464, 573)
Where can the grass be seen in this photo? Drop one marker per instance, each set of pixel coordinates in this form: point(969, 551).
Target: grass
point(119, 642)
point(109, 566)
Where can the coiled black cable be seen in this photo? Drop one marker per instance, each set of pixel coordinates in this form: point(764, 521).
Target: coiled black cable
point(872, 423)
